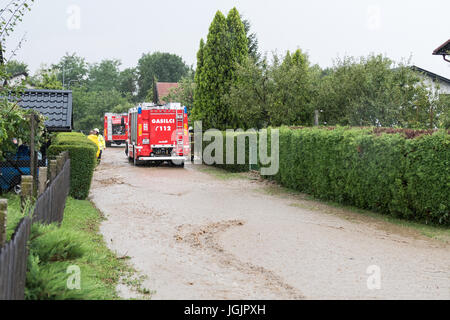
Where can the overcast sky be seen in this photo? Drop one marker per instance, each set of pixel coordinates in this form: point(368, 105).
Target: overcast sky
point(325, 29)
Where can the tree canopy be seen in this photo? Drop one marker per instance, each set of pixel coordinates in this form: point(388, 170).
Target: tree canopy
point(166, 67)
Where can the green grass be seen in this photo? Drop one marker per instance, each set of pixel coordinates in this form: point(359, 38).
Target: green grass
point(14, 213)
point(357, 215)
point(222, 174)
point(77, 242)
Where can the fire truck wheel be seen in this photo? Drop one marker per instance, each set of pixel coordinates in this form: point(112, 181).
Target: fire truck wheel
point(134, 157)
point(108, 144)
point(178, 164)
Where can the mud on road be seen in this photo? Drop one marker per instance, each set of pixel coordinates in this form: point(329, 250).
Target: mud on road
point(197, 235)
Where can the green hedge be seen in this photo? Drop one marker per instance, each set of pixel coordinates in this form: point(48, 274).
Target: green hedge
point(235, 167)
point(408, 178)
point(82, 153)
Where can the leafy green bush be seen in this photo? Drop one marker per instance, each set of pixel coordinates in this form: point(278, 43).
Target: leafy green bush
point(48, 281)
point(82, 154)
point(388, 173)
point(55, 244)
point(76, 243)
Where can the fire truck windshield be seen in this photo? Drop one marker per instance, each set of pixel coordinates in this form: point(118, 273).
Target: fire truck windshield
point(118, 130)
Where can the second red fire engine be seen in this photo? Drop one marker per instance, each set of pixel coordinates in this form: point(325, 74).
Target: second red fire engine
point(116, 129)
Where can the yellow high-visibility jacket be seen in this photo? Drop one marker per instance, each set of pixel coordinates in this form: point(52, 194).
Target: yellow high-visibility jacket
point(94, 138)
point(101, 141)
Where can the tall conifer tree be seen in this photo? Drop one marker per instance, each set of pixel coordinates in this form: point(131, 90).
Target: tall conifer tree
point(226, 46)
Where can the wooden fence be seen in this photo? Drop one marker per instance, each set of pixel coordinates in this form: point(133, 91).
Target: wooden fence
point(48, 209)
point(50, 205)
point(13, 263)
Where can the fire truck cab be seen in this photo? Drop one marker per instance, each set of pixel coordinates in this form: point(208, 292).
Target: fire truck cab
point(158, 134)
point(115, 129)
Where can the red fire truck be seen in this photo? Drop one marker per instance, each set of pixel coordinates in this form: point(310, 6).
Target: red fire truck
point(115, 130)
point(158, 134)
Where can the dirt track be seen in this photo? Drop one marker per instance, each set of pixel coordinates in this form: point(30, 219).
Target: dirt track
point(199, 236)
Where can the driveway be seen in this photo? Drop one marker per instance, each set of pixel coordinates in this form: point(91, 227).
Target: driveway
point(200, 233)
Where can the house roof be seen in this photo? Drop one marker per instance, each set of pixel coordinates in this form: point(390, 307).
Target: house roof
point(55, 105)
point(164, 89)
point(430, 74)
point(443, 49)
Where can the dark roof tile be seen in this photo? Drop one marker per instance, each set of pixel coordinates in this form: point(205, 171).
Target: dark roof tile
point(55, 105)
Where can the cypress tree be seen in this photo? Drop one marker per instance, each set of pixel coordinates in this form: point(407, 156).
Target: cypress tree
point(199, 84)
point(210, 89)
point(238, 42)
point(155, 91)
point(226, 46)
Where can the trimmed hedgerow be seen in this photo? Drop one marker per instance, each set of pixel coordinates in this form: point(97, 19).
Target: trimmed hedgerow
point(236, 166)
point(404, 175)
point(83, 161)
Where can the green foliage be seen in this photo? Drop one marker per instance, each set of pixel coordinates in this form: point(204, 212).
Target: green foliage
point(383, 172)
point(166, 67)
point(71, 68)
point(14, 121)
point(82, 153)
point(15, 214)
point(252, 97)
point(104, 76)
point(47, 80)
point(128, 83)
point(55, 244)
point(387, 173)
point(155, 99)
point(252, 40)
point(89, 107)
point(274, 94)
point(76, 243)
point(292, 95)
point(183, 94)
point(14, 67)
point(374, 91)
point(237, 164)
point(225, 48)
point(11, 14)
point(427, 177)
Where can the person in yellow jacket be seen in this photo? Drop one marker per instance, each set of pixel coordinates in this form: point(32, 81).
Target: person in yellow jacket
point(94, 138)
point(101, 142)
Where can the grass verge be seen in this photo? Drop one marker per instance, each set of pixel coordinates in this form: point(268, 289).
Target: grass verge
point(308, 202)
point(72, 261)
point(357, 215)
point(14, 213)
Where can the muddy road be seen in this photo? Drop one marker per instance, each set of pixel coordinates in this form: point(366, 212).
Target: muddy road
point(197, 233)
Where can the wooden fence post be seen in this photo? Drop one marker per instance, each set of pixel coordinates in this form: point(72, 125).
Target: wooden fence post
point(33, 165)
point(26, 190)
point(59, 161)
point(43, 177)
point(53, 169)
point(316, 117)
point(3, 219)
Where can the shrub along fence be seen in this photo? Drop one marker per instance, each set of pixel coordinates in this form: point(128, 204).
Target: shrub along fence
point(404, 173)
point(49, 208)
point(50, 205)
point(82, 153)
